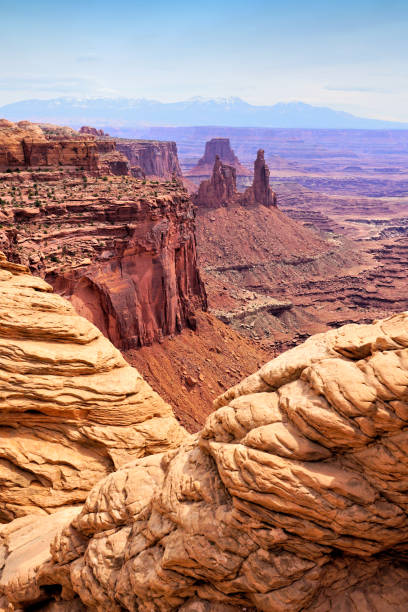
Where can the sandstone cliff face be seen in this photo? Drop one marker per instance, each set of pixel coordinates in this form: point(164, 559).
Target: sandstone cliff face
point(293, 497)
point(122, 250)
point(151, 157)
point(221, 189)
point(25, 145)
point(71, 408)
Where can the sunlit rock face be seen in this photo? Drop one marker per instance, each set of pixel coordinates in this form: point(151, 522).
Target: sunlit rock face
point(72, 410)
point(293, 497)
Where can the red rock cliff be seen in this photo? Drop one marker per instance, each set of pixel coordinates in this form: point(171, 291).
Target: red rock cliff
point(24, 145)
point(152, 157)
point(220, 189)
point(122, 251)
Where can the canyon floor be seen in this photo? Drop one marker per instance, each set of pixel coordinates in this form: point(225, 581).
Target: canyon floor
point(278, 285)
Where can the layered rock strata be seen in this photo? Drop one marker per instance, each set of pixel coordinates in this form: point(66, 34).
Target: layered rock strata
point(221, 188)
point(122, 250)
point(71, 408)
point(153, 158)
point(25, 145)
point(293, 497)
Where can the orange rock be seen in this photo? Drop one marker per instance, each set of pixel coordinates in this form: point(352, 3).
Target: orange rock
point(71, 408)
point(293, 497)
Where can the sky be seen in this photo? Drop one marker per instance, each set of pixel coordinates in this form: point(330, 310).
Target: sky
point(350, 55)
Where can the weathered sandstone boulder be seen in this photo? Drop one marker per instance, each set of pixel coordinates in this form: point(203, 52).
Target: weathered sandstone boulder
point(293, 497)
point(71, 408)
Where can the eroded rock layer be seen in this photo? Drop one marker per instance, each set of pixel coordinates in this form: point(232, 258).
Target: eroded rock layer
point(25, 144)
point(122, 250)
point(154, 158)
point(221, 188)
point(293, 497)
point(71, 408)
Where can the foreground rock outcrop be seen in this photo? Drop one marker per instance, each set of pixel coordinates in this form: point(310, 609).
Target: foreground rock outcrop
point(71, 408)
point(293, 497)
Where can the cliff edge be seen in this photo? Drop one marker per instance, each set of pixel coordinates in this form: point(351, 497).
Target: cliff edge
point(72, 410)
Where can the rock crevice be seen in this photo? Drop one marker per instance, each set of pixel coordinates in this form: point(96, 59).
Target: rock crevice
point(293, 497)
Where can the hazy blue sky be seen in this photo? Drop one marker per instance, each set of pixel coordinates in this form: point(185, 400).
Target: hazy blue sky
point(349, 54)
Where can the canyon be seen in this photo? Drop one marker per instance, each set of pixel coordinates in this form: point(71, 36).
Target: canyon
point(124, 486)
point(123, 251)
point(226, 520)
point(281, 289)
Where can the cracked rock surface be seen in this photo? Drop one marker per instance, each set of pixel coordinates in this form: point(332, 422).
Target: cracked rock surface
point(292, 497)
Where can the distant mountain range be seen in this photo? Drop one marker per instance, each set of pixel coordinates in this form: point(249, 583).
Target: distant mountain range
point(234, 112)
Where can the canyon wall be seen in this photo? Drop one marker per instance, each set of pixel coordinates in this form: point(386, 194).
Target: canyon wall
point(292, 497)
point(72, 409)
point(122, 250)
point(152, 157)
point(25, 145)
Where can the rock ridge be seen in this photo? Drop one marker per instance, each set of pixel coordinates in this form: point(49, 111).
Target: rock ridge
point(293, 497)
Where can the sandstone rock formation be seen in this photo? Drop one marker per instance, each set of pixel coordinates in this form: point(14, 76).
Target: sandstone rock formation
point(220, 147)
point(110, 160)
point(123, 250)
point(86, 129)
point(71, 408)
point(25, 145)
point(220, 189)
point(293, 497)
point(153, 158)
point(216, 147)
point(260, 191)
